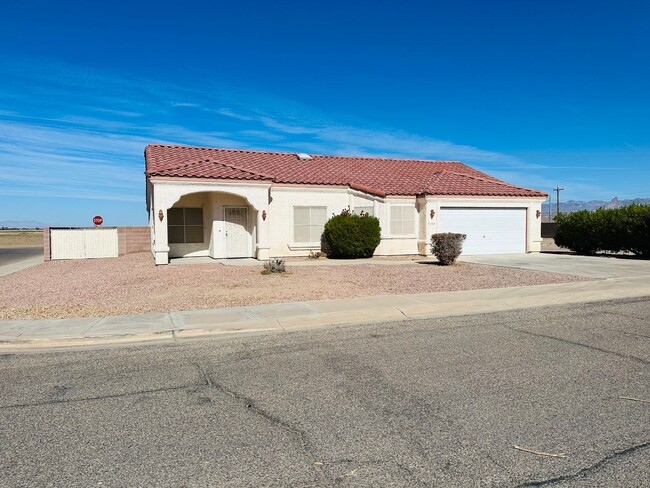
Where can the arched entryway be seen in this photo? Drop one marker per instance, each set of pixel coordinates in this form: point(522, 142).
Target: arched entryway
point(220, 223)
point(215, 224)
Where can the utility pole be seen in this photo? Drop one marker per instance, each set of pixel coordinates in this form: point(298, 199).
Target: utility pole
point(557, 191)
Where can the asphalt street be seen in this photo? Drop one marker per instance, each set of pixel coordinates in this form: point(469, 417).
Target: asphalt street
point(436, 402)
point(10, 255)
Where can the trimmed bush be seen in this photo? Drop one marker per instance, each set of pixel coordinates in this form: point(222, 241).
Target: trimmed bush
point(622, 229)
point(577, 231)
point(635, 229)
point(447, 246)
point(351, 236)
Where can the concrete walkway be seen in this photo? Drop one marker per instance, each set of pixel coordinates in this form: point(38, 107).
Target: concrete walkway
point(615, 278)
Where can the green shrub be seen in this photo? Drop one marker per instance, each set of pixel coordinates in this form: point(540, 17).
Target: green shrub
point(447, 246)
point(577, 231)
point(636, 232)
point(622, 229)
point(351, 236)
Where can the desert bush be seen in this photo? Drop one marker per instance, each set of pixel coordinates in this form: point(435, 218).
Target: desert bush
point(635, 229)
point(577, 231)
point(351, 236)
point(447, 246)
point(274, 266)
point(622, 229)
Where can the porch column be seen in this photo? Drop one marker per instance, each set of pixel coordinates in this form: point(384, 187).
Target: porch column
point(160, 242)
point(429, 217)
point(263, 243)
point(534, 227)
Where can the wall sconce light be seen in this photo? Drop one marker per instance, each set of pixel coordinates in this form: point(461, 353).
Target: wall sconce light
point(160, 215)
point(263, 214)
point(538, 213)
point(432, 213)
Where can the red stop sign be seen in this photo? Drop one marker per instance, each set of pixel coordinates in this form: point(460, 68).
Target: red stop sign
point(97, 220)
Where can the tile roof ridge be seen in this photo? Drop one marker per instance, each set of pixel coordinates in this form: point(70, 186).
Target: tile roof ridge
point(293, 153)
point(239, 168)
point(231, 166)
point(220, 149)
point(383, 158)
point(487, 180)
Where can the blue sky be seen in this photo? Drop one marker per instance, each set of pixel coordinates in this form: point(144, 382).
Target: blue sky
point(536, 93)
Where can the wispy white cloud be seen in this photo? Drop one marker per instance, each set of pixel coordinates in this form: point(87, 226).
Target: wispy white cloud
point(70, 132)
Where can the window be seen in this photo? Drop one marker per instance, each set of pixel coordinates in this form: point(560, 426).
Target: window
point(402, 220)
point(308, 223)
point(184, 225)
point(366, 209)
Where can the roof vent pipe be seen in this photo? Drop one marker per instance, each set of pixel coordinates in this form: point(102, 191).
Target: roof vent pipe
point(303, 156)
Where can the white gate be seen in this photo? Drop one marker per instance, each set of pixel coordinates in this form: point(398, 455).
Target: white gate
point(83, 243)
point(238, 238)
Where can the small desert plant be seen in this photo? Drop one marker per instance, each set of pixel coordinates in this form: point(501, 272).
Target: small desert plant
point(447, 247)
point(315, 254)
point(274, 266)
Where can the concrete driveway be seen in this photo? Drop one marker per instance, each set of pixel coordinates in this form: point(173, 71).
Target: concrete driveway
point(603, 267)
point(14, 259)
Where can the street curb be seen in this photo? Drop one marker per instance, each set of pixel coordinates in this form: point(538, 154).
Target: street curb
point(306, 322)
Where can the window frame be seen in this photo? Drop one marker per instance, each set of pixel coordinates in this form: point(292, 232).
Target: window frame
point(393, 232)
point(310, 225)
point(185, 226)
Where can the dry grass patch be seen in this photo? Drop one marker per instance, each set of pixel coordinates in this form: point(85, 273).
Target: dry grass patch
point(21, 238)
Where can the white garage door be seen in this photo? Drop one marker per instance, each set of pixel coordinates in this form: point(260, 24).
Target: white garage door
point(488, 230)
point(83, 243)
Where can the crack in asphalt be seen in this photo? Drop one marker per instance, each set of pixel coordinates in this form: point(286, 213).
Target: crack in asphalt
point(589, 469)
point(575, 343)
point(403, 467)
point(619, 314)
point(91, 399)
point(249, 404)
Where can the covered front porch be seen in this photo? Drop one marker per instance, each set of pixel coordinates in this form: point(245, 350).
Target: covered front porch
point(209, 220)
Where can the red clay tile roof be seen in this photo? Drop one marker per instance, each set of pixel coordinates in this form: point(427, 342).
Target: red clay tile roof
point(378, 176)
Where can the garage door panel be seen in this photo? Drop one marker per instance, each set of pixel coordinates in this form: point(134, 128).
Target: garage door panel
point(488, 230)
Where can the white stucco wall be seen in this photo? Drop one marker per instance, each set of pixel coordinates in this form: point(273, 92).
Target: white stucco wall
point(274, 236)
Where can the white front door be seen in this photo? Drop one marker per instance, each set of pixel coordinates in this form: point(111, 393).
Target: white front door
point(488, 230)
point(238, 238)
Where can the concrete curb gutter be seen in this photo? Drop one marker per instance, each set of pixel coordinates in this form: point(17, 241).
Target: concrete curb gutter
point(285, 317)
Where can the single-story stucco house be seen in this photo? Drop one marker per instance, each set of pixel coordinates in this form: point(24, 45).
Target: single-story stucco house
point(228, 203)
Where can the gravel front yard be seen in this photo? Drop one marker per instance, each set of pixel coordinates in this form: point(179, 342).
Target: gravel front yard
point(132, 284)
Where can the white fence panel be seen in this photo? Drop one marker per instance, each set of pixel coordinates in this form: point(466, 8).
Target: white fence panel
point(83, 243)
point(100, 243)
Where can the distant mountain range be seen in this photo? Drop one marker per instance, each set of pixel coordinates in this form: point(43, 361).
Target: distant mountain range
point(575, 205)
point(22, 224)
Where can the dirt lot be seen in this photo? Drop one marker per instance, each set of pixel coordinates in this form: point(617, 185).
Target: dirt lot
point(132, 284)
point(21, 238)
